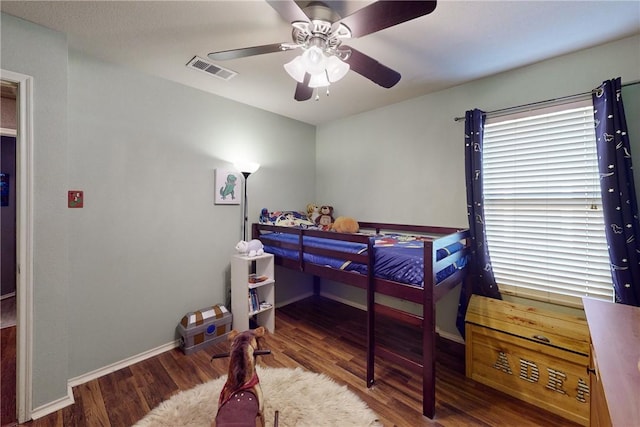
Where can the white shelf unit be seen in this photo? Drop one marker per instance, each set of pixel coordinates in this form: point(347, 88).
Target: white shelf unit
point(241, 267)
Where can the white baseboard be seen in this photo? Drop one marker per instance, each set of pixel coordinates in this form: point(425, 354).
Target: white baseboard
point(56, 405)
point(343, 300)
point(449, 336)
point(63, 402)
point(294, 299)
point(122, 364)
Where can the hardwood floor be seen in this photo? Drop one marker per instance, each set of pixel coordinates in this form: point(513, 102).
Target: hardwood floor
point(8, 376)
point(308, 337)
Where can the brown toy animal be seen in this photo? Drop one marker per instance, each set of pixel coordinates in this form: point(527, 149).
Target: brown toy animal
point(240, 402)
point(345, 224)
point(325, 219)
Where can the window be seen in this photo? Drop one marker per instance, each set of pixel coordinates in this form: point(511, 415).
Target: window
point(543, 210)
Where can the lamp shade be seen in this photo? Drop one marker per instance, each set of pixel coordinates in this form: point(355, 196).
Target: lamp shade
point(319, 80)
point(336, 69)
point(314, 60)
point(295, 68)
point(247, 167)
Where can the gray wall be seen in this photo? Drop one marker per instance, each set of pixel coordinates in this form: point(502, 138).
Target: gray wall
point(405, 162)
point(150, 245)
point(42, 53)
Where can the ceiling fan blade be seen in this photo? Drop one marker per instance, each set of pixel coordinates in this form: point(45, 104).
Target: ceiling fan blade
point(248, 51)
point(384, 14)
point(303, 91)
point(368, 67)
point(289, 10)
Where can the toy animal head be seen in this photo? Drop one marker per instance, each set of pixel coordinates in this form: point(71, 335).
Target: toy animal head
point(241, 378)
point(311, 209)
point(326, 210)
point(242, 360)
point(242, 246)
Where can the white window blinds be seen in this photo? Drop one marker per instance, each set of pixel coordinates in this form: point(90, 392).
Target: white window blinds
point(543, 210)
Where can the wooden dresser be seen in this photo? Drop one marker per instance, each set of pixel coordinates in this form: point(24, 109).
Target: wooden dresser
point(614, 363)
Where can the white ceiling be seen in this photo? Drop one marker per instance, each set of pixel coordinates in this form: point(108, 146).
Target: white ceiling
point(459, 42)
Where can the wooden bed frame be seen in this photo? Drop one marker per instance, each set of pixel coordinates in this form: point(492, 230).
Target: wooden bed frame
point(427, 296)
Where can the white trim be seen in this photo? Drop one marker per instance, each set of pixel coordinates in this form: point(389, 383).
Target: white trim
point(24, 219)
point(89, 376)
point(8, 132)
point(51, 407)
point(449, 336)
point(68, 400)
point(345, 301)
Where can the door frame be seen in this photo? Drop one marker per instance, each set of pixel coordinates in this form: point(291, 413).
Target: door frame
point(24, 241)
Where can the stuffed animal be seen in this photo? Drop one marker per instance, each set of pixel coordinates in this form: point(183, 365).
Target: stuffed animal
point(313, 212)
point(325, 219)
point(345, 224)
point(264, 216)
point(251, 248)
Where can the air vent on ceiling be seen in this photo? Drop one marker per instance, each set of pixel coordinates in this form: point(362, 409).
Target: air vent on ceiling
point(205, 66)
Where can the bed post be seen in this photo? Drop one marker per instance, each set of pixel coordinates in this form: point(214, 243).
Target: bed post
point(371, 315)
point(429, 335)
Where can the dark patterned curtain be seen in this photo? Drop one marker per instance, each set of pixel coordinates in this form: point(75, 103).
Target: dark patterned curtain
point(481, 273)
point(618, 191)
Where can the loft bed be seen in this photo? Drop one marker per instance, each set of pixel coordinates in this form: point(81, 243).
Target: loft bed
point(426, 263)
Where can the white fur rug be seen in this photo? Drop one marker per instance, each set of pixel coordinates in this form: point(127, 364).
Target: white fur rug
point(302, 399)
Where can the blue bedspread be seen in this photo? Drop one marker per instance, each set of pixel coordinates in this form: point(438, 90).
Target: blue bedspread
point(395, 258)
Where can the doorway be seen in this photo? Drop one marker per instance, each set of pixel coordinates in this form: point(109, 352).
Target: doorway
point(8, 241)
point(16, 265)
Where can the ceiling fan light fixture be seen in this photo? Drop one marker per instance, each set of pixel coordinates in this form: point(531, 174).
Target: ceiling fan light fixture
point(319, 31)
point(336, 69)
point(295, 68)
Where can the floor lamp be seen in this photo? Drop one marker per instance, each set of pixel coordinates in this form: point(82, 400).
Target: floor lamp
point(246, 169)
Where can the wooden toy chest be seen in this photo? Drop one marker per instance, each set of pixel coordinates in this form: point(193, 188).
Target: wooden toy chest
point(204, 327)
point(538, 356)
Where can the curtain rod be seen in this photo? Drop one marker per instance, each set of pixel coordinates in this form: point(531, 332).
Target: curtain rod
point(548, 101)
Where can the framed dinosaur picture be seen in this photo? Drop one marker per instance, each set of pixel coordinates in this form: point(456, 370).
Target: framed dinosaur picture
point(227, 189)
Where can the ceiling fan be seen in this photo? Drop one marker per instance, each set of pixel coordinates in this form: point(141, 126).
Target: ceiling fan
point(319, 31)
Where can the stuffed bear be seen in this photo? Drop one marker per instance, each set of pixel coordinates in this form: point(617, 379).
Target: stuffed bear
point(325, 219)
point(313, 212)
point(251, 248)
point(345, 224)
